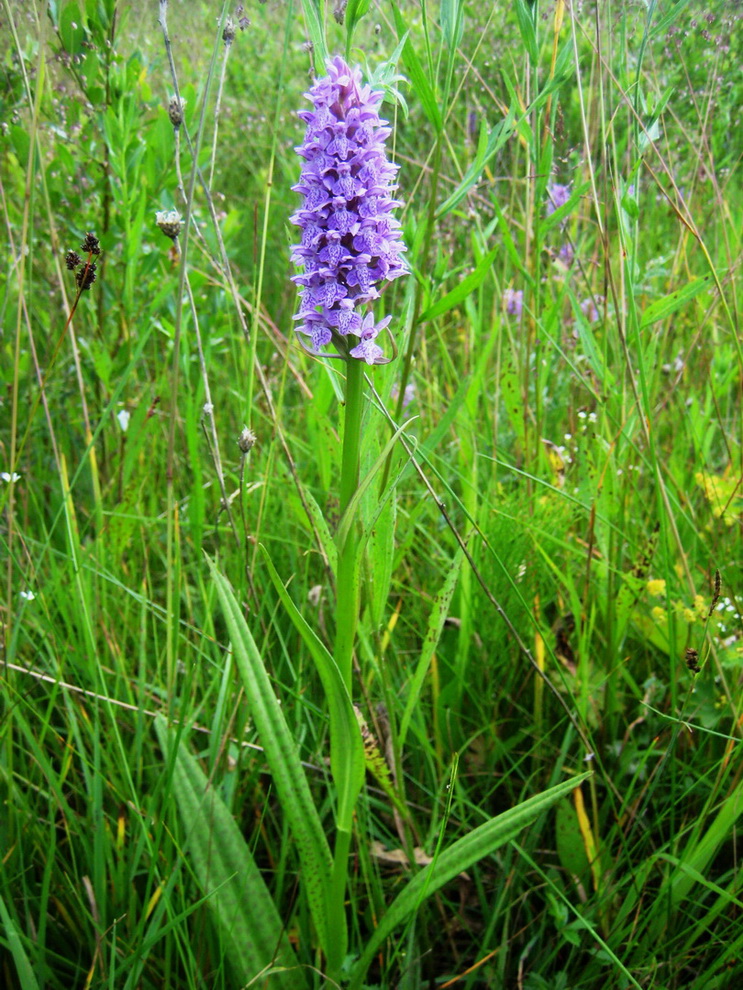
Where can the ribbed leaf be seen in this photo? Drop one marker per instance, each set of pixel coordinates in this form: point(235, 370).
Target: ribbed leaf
point(282, 757)
point(346, 746)
point(250, 927)
point(458, 857)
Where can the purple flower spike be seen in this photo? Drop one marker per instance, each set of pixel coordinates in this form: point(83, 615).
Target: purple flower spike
point(351, 244)
point(557, 196)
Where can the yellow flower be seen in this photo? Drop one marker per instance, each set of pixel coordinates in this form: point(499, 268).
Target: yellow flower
point(657, 587)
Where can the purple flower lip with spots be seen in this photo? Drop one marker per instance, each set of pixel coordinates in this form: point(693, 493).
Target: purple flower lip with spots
point(351, 243)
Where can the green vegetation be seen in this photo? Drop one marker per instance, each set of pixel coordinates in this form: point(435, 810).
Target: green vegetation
point(534, 777)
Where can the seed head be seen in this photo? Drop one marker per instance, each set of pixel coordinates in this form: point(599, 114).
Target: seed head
point(169, 222)
point(246, 441)
point(90, 245)
point(85, 276)
point(72, 259)
point(176, 107)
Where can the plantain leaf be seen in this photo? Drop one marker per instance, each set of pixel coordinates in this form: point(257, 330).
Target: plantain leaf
point(458, 857)
point(249, 925)
point(282, 757)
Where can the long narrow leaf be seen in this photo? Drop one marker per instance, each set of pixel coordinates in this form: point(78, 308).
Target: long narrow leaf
point(283, 760)
point(250, 927)
point(458, 857)
point(465, 287)
point(346, 744)
point(421, 85)
point(661, 308)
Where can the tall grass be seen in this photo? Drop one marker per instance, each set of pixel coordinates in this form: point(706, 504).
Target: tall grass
point(551, 518)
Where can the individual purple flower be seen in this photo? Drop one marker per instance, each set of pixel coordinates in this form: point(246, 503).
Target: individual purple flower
point(513, 300)
point(557, 196)
point(368, 350)
point(589, 308)
point(351, 243)
point(566, 254)
point(408, 395)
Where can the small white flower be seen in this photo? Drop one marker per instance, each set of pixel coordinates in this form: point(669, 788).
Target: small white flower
point(123, 417)
point(208, 408)
point(10, 477)
point(27, 596)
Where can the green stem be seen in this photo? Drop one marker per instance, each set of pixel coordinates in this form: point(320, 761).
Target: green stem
point(346, 622)
point(338, 945)
point(347, 596)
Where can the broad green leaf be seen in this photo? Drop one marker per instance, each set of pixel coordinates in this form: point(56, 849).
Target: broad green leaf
point(525, 14)
point(661, 308)
point(436, 621)
point(570, 848)
point(460, 856)
point(355, 10)
point(513, 399)
point(346, 746)
point(452, 22)
point(316, 32)
point(71, 30)
point(283, 760)
point(465, 287)
point(381, 555)
point(251, 929)
point(663, 23)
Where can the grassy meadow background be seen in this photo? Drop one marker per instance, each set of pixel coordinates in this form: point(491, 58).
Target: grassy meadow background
point(559, 549)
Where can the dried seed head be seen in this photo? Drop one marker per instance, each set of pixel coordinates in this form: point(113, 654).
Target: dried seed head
point(169, 222)
point(246, 441)
point(339, 11)
point(72, 259)
point(91, 244)
point(228, 34)
point(176, 107)
point(85, 276)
